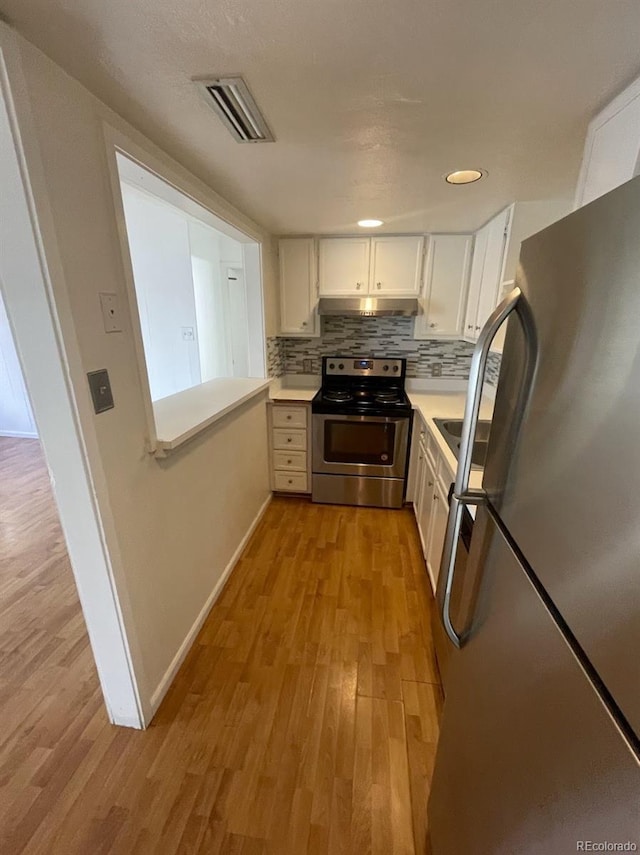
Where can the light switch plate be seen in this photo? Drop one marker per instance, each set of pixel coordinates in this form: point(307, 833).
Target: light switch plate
point(100, 387)
point(110, 312)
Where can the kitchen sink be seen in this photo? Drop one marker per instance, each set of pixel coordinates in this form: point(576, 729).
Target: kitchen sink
point(451, 430)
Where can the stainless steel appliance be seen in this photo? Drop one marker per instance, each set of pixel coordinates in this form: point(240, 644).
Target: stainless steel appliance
point(539, 747)
point(361, 422)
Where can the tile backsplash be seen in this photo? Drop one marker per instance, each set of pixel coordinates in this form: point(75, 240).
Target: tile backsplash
point(392, 337)
point(275, 356)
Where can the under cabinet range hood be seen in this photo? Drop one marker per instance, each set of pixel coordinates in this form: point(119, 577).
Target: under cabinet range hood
point(369, 307)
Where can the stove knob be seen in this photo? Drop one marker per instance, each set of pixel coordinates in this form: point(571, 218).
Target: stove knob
point(332, 365)
point(341, 366)
point(385, 367)
point(395, 367)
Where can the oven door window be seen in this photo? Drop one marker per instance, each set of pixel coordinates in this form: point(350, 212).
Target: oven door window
point(365, 443)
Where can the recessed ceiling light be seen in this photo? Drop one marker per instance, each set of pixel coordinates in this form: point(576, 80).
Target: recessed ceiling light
point(464, 176)
point(370, 224)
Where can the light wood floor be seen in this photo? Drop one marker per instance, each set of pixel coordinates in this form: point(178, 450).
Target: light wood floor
point(304, 720)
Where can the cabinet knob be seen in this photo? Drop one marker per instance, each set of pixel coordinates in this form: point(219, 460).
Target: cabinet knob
point(304, 323)
point(433, 326)
point(288, 439)
point(430, 483)
point(358, 285)
point(435, 498)
point(289, 462)
point(469, 326)
point(378, 285)
point(290, 481)
point(478, 328)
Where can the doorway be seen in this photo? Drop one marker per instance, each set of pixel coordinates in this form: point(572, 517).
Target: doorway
point(43, 332)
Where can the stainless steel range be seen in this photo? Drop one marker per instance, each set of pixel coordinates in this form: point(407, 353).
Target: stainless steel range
point(361, 420)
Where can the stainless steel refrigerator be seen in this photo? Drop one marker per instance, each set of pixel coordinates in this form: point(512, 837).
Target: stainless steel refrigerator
point(540, 740)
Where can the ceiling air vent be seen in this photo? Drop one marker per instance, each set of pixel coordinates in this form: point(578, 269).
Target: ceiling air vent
point(232, 101)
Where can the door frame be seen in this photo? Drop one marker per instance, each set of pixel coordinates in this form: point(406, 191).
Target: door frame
point(35, 296)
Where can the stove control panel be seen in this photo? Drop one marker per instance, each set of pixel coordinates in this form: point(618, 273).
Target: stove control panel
point(349, 366)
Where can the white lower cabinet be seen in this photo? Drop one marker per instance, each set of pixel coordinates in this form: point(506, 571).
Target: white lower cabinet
point(430, 500)
point(290, 444)
point(439, 515)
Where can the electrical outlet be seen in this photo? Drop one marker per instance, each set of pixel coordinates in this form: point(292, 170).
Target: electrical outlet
point(110, 312)
point(436, 369)
point(188, 334)
point(307, 366)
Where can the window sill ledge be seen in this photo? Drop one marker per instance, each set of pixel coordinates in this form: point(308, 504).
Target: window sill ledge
point(182, 416)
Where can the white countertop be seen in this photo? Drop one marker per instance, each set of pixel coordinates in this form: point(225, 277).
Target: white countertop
point(181, 416)
point(432, 406)
point(298, 395)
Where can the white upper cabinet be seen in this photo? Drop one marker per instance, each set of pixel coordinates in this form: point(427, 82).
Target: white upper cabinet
point(492, 268)
point(495, 259)
point(344, 266)
point(396, 265)
point(446, 278)
point(298, 287)
point(475, 283)
point(381, 266)
point(612, 148)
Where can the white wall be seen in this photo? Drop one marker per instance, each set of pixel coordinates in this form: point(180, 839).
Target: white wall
point(209, 300)
point(161, 260)
point(173, 526)
point(16, 418)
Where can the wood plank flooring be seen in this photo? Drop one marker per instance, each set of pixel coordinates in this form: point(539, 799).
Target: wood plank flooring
point(304, 719)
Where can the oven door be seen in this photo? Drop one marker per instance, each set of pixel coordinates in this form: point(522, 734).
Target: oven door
point(360, 445)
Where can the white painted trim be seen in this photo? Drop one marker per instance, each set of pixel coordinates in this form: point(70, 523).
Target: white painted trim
point(170, 674)
point(19, 434)
point(180, 181)
point(36, 300)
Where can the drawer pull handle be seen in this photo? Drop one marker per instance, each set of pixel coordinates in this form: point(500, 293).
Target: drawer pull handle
point(288, 461)
point(288, 418)
point(288, 439)
point(290, 481)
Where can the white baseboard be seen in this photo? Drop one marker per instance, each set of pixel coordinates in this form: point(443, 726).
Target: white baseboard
point(178, 659)
point(18, 434)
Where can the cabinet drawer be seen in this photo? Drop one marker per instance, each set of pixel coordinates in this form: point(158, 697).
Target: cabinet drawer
point(296, 439)
point(296, 482)
point(290, 460)
point(290, 417)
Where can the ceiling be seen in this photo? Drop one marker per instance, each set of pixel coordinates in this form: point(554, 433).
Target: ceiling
point(371, 101)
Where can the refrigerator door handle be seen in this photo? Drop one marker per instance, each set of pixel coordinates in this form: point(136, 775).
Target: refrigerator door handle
point(461, 494)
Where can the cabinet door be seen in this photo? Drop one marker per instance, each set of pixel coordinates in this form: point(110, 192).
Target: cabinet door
point(445, 291)
point(439, 516)
point(492, 268)
point(419, 484)
point(298, 287)
point(344, 266)
point(396, 265)
point(475, 282)
point(427, 503)
point(611, 151)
